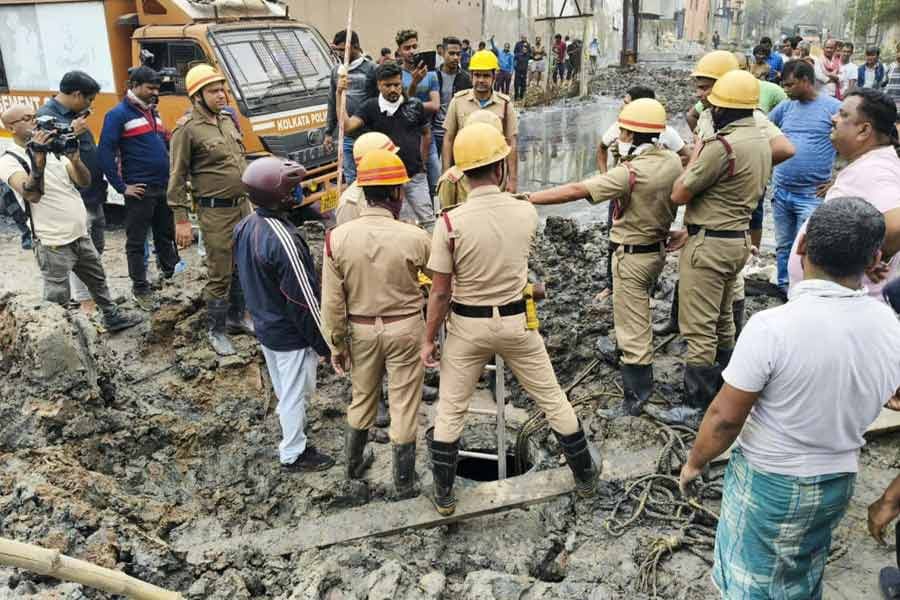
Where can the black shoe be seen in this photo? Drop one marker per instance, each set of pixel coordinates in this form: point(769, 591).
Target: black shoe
point(215, 317)
point(119, 319)
point(740, 314)
point(637, 383)
point(310, 460)
point(358, 458)
point(670, 326)
point(444, 456)
point(578, 456)
point(405, 471)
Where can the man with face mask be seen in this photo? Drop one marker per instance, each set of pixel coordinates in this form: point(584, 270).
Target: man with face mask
point(208, 150)
point(279, 278)
point(720, 187)
point(134, 155)
point(372, 315)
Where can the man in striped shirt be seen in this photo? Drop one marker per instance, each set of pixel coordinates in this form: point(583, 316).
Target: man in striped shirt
point(278, 277)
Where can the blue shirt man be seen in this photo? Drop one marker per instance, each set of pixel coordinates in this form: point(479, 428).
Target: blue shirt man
point(805, 119)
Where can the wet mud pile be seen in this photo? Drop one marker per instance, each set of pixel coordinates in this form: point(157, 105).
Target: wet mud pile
point(673, 86)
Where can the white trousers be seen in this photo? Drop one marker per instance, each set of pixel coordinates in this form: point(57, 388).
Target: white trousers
point(293, 375)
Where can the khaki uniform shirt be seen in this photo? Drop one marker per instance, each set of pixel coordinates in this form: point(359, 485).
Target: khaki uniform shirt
point(207, 150)
point(373, 271)
point(706, 129)
point(464, 104)
point(493, 232)
point(650, 211)
point(452, 188)
point(721, 200)
point(350, 204)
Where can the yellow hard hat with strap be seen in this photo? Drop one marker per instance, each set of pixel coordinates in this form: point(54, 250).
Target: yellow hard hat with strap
point(484, 60)
point(486, 117)
point(736, 89)
point(374, 140)
point(380, 167)
point(478, 145)
point(201, 76)
point(715, 64)
point(644, 115)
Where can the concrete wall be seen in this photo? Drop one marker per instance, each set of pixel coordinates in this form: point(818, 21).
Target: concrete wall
point(378, 22)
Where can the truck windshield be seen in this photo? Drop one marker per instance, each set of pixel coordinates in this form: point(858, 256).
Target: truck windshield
point(273, 62)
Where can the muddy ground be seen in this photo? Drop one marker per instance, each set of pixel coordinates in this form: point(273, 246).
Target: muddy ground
point(126, 449)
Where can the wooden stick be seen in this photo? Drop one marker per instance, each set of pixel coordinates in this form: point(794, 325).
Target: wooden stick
point(53, 564)
point(343, 99)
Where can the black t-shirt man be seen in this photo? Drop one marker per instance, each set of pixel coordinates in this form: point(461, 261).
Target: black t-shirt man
point(404, 127)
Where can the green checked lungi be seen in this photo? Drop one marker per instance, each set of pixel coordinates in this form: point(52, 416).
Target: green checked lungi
point(774, 532)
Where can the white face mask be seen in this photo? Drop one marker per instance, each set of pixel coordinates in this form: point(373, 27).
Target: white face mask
point(624, 148)
point(389, 107)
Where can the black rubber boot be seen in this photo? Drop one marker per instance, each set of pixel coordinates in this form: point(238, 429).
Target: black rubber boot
point(578, 457)
point(738, 308)
point(637, 383)
point(236, 320)
point(723, 357)
point(429, 394)
point(357, 457)
point(670, 326)
point(215, 318)
point(701, 384)
point(405, 471)
point(444, 456)
point(383, 417)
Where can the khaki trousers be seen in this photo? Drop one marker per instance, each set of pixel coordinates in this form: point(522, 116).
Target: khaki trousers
point(708, 269)
point(470, 344)
point(635, 275)
point(217, 225)
point(392, 347)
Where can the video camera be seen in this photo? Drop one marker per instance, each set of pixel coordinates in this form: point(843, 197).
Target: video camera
point(64, 140)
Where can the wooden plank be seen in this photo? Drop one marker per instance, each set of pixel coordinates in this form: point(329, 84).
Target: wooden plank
point(383, 519)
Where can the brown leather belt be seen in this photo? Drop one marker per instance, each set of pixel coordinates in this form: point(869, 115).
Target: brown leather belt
point(361, 320)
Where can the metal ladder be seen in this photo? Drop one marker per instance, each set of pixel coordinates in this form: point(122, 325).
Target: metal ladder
point(500, 414)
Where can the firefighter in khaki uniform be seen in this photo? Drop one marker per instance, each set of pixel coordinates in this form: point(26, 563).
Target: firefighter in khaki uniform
point(483, 68)
point(208, 150)
point(372, 313)
point(483, 246)
point(352, 200)
point(453, 187)
point(640, 188)
point(721, 187)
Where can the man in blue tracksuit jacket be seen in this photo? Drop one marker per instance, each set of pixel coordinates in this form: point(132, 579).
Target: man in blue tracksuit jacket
point(134, 155)
point(278, 276)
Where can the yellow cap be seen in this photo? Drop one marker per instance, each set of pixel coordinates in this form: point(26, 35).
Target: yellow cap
point(380, 167)
point(374, 140)
point(485, 116)
point(201, 76)
point(644, 115)
point(737, 89)
point(477, 145)
point(715, 64)
point(484, 60)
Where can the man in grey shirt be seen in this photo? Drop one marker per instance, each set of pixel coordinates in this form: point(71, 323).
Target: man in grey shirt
point(804, 383)
point(451, 80)
point(361, 86)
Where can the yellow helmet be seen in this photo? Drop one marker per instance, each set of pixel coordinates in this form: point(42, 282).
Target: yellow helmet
point(484, 60)
point(737, 89)
point(380, 167)
point(715, 64)
point(644, 115)
point(201, 76)
point(374, 140)
point(486, 117)
point(478, 145)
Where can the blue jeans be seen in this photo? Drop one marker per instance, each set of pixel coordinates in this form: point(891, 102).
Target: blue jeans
point(790, 212)
point(349, 164)
point(433, 167)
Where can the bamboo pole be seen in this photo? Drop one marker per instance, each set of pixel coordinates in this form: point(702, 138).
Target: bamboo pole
point(53, 564)
point(343, 99)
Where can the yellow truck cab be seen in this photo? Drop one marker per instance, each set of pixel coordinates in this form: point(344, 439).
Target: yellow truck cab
point(278, 69)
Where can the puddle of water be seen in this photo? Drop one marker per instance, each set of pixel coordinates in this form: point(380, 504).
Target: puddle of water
point(558, 145)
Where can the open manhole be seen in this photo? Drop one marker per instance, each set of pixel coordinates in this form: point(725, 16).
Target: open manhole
point(484, 469)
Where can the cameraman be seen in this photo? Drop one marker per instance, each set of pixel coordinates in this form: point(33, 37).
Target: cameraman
point(46, 186)
point(71, 106)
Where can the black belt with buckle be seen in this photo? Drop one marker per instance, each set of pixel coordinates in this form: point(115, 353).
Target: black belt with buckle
point(220, 202)
point(637, 248)
point(716, 233)
point(486, 312)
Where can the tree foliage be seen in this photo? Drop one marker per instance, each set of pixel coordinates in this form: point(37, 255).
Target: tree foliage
point(764, 15)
